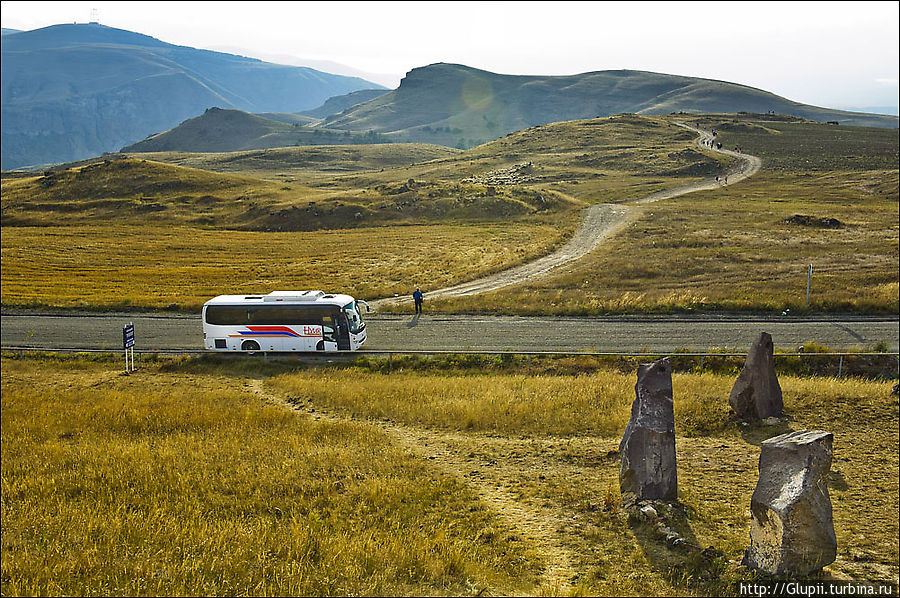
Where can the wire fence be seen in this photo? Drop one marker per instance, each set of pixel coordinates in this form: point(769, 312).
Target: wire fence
point(837, 364)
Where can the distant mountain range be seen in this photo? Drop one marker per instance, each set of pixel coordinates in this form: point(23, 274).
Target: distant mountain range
point(69, 92)
point(454, 105)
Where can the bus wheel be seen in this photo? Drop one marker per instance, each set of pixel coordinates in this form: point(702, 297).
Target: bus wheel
point(250, 346)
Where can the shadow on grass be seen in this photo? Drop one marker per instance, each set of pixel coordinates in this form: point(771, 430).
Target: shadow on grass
point(756, 433)
point(669, 544)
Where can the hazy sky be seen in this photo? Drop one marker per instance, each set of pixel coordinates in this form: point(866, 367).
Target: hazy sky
point(833, 54)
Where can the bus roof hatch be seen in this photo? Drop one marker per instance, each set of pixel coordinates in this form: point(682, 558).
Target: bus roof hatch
point(293, 296)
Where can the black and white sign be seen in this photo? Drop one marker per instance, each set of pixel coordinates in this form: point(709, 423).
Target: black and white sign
point(128, 336)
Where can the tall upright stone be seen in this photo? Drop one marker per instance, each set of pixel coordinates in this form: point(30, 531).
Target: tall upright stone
point(756, 394)
point(647, 449)
point(791, 526)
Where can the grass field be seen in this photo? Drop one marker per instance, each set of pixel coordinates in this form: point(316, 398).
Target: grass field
point(181, 267)
point(733, 249)
point(166, 484)
point(796, 146)
point(246, 476)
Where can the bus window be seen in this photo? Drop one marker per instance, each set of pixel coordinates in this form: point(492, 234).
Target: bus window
point(226, 316)
point(354, 317)
point(329, 329)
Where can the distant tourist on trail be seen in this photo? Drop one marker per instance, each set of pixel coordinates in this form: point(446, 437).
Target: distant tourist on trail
point(418, 297)
point(726, 179)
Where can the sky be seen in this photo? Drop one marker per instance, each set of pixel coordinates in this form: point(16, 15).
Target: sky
point(830, 54)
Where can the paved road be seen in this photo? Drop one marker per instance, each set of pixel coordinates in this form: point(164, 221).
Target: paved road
point(461, 332)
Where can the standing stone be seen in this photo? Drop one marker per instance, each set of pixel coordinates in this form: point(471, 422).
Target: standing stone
point(791, 528)
point(756, 394)
point(647, 449)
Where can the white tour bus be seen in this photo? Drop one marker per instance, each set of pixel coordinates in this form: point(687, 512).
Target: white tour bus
point(283, 321)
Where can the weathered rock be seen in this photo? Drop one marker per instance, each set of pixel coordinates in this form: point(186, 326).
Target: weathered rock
point(649, 512)
point(647, 448)
point(756, 394)
point(791, 529)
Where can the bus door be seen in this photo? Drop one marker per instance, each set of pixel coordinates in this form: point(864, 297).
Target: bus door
point(329, 340)
point(343, 332)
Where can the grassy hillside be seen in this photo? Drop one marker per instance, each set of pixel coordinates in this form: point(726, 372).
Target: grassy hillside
point(742, 247)
point(143, 192)
point(559, 169)
point(608, 159)
point(466, 223)
point(463, 107)
point(290, 164)
point(340, 103)
point(793, 146)
point(218, 130)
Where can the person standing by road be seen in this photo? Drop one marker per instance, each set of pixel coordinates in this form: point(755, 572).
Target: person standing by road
point(418, 297)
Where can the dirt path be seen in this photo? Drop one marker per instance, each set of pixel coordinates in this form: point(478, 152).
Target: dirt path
point(600, 222)
point(458, 455)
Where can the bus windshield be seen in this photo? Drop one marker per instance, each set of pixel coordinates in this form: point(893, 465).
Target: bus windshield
point(354, 317)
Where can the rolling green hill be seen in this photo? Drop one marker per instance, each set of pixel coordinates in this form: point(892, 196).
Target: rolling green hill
point(285, 164)
point(460, 106)
point(218, 130)
point(70, 92)
point(548, 172)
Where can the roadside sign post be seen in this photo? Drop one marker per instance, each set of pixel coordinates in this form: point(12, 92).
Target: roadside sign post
point(128, 343)
point(808, 281)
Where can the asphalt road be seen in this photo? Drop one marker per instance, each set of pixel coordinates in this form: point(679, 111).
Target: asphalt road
point(472, 333)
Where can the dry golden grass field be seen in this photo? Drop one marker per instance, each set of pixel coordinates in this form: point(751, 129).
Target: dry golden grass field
point(178, 267)
point(742, 247)
point(208, 476)
point(147, 234)
point(734, 249)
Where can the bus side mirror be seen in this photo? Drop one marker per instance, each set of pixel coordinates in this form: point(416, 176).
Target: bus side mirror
point(368, 309)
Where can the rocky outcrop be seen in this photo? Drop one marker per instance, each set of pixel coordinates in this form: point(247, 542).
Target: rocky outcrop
point(791, 529)
point(756, 394)
point(647, 449)
point(517, 174)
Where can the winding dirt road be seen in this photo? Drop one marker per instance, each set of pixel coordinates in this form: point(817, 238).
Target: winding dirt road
point(600, 222)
